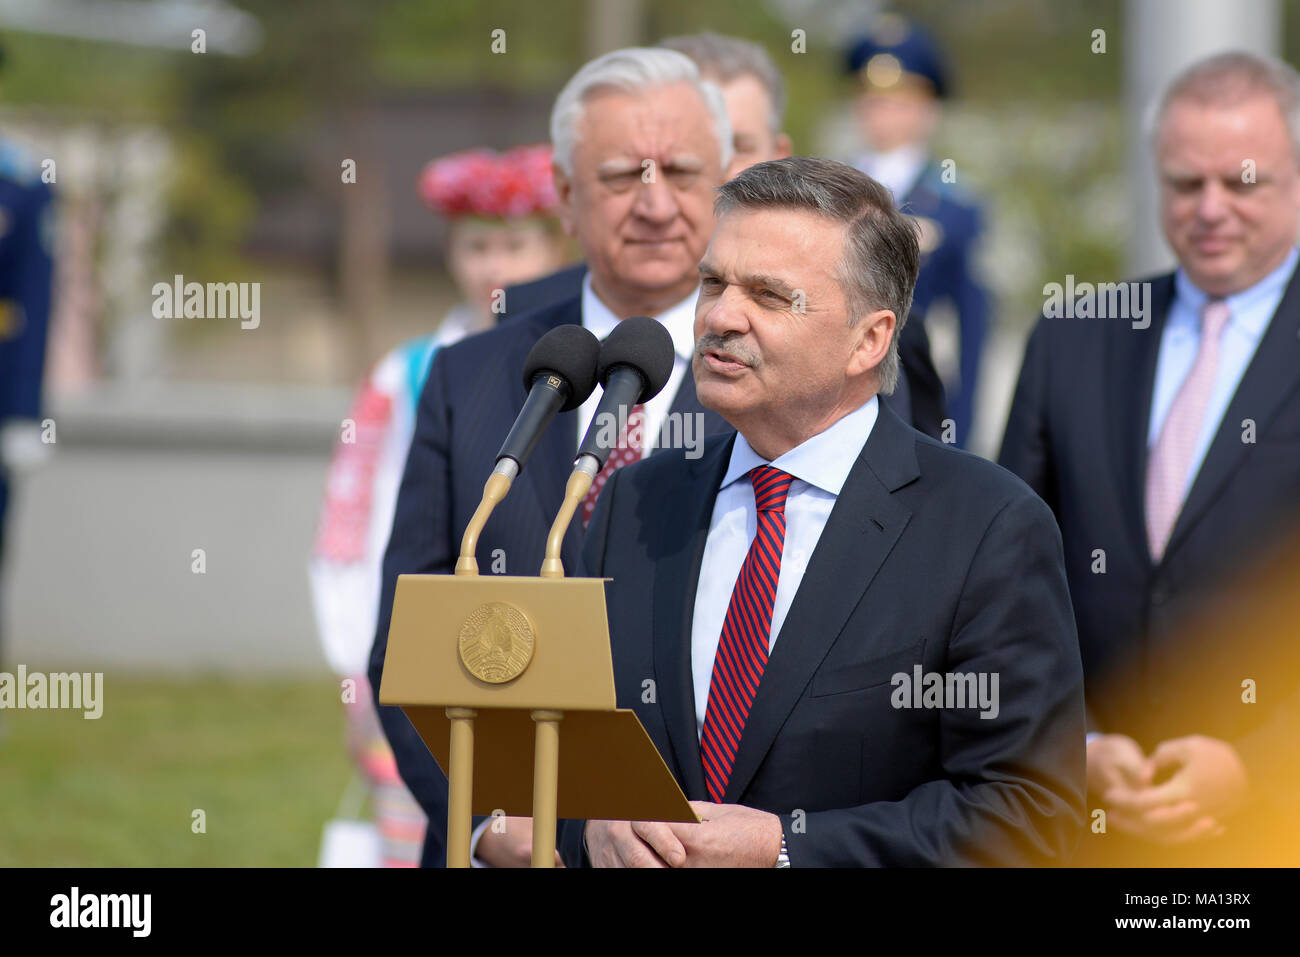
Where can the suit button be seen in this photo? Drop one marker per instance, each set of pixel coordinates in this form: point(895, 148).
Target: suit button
point(1159, 595)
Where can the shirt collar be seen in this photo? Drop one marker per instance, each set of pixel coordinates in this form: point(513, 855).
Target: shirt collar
point(678, 319)
point(824, 460)
point(1243, 304)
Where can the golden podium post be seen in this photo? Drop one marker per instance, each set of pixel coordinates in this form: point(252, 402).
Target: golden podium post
point(484, 666)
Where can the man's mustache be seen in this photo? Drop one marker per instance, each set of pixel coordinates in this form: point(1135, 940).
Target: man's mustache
point(728, 345)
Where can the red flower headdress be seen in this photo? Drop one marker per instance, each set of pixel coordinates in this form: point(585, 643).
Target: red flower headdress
point(482, 182)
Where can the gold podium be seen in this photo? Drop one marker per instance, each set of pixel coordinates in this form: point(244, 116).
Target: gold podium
point(489, 668)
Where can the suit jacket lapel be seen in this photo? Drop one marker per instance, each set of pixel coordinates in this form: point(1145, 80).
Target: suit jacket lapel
point(862, 529)
point(1132, 359)
point(1269, 378)
point(687, 508)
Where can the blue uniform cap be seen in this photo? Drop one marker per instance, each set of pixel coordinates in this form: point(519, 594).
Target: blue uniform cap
point(894, 52)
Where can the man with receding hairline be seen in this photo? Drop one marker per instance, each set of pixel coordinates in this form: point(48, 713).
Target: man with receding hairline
point(1169, 450)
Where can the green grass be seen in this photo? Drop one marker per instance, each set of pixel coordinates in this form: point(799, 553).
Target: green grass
point(264, 760)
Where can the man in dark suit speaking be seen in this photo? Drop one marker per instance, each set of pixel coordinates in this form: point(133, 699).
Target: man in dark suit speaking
point(852, 644)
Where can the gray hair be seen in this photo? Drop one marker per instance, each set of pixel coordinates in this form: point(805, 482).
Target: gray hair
point(730, 58)
point(631, 70)
point(1229, 78)
point(881, 250)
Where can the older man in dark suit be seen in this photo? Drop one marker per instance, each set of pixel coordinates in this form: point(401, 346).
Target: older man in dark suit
point(860, 639)
point(1167, 441)
point(640, 143)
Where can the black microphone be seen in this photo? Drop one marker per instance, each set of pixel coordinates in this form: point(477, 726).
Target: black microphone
point(636, 360)
point(559, 374)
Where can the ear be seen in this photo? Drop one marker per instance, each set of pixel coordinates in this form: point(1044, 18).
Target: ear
point(564, 197)
point(784, 146)
point(875, 333)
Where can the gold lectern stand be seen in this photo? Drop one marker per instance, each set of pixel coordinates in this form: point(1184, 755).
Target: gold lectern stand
point(504, 661)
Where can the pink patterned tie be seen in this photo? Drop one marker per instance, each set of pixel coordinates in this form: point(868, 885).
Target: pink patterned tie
point(626, 452)
point(1171, 459)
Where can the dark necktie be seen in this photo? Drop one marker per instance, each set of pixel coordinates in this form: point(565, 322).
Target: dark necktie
point(742, 649)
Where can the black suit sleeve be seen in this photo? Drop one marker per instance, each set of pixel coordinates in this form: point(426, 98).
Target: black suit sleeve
point(1026, 449)
point(419, 544)
point(1026, 444)
point(1012, 787)
point(925, 388)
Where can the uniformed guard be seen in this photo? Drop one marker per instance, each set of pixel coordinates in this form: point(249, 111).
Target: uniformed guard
point(26, 241)
point(902, 81)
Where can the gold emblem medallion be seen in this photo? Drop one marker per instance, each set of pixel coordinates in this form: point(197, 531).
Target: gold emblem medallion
point(496, 642)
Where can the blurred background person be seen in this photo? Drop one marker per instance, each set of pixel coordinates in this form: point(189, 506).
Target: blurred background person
point(755, 94)
point(503, 231)
point(753, 89)
point(902, 81)
point(26, 271)
point(1165, 435)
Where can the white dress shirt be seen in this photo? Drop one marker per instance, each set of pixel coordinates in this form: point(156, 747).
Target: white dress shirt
point(679, 320)
point(1181, 340)
point(819, 466)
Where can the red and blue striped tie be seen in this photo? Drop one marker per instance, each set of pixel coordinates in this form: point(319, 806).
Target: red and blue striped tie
point(742, 650)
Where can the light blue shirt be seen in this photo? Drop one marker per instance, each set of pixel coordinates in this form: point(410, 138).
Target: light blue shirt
point(1181, 339)
point(820, 467)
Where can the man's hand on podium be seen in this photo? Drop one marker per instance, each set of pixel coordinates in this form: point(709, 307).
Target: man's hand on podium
point(508, 842)
point(729, 835)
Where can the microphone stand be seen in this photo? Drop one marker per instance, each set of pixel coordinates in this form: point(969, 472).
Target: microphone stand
point(460, 761)
point(575, 490)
